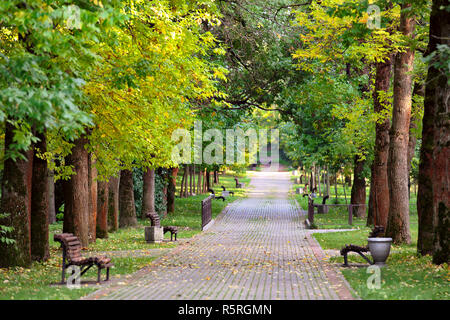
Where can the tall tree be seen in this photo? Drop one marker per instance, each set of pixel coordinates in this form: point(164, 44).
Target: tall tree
point(93, 190)
point(398, 219)
point(171, 188)
point(16, 199)
point(51, 197)
point(358, 193)
point(76, 193)
point(379, 187)
point(433, 194)
point(127, 209)
point(102, 209)
point(39, 202)
point(148, 195)
point(113, 203)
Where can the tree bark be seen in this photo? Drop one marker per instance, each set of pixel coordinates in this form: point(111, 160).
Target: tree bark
point(92, 180)
point(113, 203)
point(76, 193)
point(358, 193)
point(345, 192)
point(335, 187)
point(328, 182)
point(398, 219)
point(186, 180)
point(148, 196)
point(318, 180)
point(312, 180)
point(127, 209)
point(379, 185)
point(208, 180)
point(183, 178)
point(190, 179)
point(433, 194)
point(419, 90)
point(171, 189)
point(199, 180)
point(102, 209)
point(39, 203)
point(51, 197)
point(16, 201)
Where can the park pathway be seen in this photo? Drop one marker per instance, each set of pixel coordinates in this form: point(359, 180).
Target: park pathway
point(256, 249)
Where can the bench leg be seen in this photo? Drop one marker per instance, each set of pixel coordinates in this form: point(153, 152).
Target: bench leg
point(107, 273)
point(345, 260)
point(63, 278)
point(99, 273)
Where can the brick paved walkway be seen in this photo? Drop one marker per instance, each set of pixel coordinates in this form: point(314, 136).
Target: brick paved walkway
point(258, 249)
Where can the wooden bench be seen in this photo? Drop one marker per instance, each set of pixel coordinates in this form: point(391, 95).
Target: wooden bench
point(239, 184)
point(173, 231)
point(223, 195)
point(155, 222)
point(226, 193)
point(71, 256)
point(322, 208)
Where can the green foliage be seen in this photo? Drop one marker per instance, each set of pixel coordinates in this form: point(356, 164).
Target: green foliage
point(4, 230)
point(44, 61)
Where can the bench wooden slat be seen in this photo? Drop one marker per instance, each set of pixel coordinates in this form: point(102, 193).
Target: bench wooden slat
point(72, 252)
point(74, 243)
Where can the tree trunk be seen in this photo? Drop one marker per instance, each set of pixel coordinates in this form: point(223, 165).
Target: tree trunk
point(171, 189)
point(358, 193)
point(127, 209)
point(148, 196)
point(208, 180)
point(419, 90)
point(51, 197)
point(166, 176)
point(102, 209)
point(398, 219)
point(113, 203)
point(186, 180)
point(16, 201)
point(312, 180)
point(92, 180)
point(318, 180)
point(335, 187)
point(328, 182)
point(216, 176)
point(433, 194)
point(76, 193)
point(370, 212)
point(379, 186)
point(345, 192)
point(183, 178)
point(199, 181)
point(193, 180)
point(39, 203)
point(190, 179)
point(348, 180)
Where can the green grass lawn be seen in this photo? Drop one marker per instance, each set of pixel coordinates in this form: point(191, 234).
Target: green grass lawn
point(406, 276)
point(35, 283)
